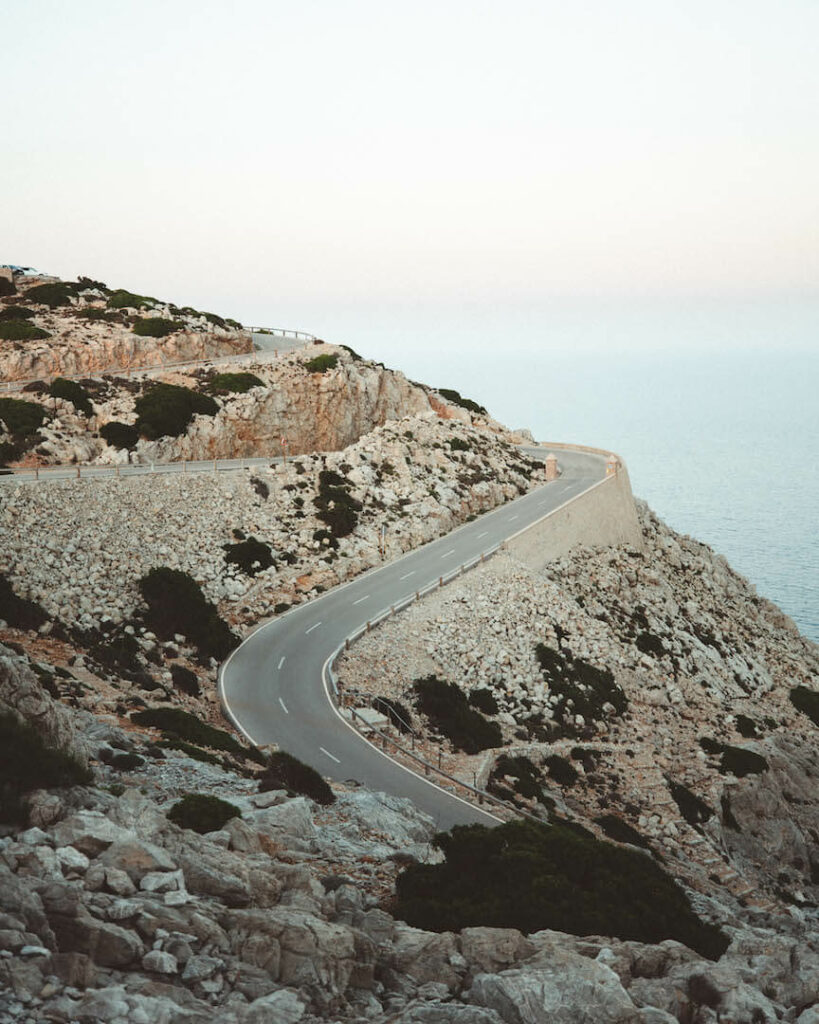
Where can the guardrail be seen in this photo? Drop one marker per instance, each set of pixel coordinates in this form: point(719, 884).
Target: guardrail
point(80, 472)
point(254, 355)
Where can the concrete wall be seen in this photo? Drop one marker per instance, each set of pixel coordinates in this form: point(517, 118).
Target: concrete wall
point(603, 516)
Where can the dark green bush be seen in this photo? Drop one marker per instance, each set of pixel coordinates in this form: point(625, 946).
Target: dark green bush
point(587, 687)
point(26, 764)
point(529, 876)
point(21, 330)
point(747, 727)
point(167, 409)
point(202, 813)
point(356, 358)
point(741, 762)
point(395, 711)
point(19, 612)
point(16, 313)
point(122, 299)
point(184, 680)
point(620, 831)
point(323, 363)
point(710, 745)
point(464, 403)
point(238, 383)
point(57, 293)
point(528, 781)
point(188, 727)
point(447, 709)
point(73, 392)
point(692, 808)
point(648, 643)
point(803, 699)
point(251, 555)
point(126, 762)
point(562, 771)
point(336, 506)
point(284, 771)
point(457, 445)
point(156, 327)
point(7, 287)
point(21, 417)
point(483, 699)
point(177, 605)
point(119, 435)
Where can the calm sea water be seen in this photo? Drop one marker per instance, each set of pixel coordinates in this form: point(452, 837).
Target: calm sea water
point(716, 414)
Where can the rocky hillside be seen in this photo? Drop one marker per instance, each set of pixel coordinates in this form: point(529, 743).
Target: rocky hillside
point(52, 328)
point(655, 686)
point(112, 911)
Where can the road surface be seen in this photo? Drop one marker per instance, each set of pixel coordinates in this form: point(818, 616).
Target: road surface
point(273, 687)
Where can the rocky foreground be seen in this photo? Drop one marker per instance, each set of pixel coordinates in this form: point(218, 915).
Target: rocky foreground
point(109, 912)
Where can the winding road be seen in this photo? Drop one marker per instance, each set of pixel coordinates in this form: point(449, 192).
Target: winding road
point(274, 685)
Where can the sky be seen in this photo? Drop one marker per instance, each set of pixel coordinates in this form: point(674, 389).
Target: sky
point(320, 162)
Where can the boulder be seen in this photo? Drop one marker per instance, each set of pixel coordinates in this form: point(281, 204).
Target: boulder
point(489, 950)
point(282, 1007)
point(90, 832)
point(137, 858)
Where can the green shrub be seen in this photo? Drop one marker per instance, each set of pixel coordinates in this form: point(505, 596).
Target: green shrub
point(283, 771)
point(747, 727)
point(21, 330)
point(177, 605)
point(171, 743)
point(483, 699)
point(446, 707)
point(26, 764)
point(804, 700)
point(395, 711)
point(202, 813)
point(457, 445)
point(73, 392)
point(16, 313)
point(251, 555)
point(529, 876)
point(336, 506)
point(741, 762)
point(620, 831)
point(323, 363)
point(119, 435)
point(19, 612)
point(156, 327)
point(21, 417)
point(692, 808)
point(528, 782)
point(587, 687)
point(561, 770)
point(648, 643)
point(188, 727)
point(184, 680)
point(238, 383)
point(126, 762)
point(57, 293)
point(464, 403)
point(710, 745)
point(122, 299)
point(167, 409)
point(356, 358)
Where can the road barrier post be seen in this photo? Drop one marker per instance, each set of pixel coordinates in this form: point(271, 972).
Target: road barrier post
point(440, 581)
point(184, 465)
point(368, 627)
point(78, 472)
point(117, 470)
point(214, 465)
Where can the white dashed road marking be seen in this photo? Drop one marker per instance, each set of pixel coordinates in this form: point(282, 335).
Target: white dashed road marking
point(364, 598)
point(282, 661)
point(485, 532)
point(407, 576)
point(310, 630)
point(284, 706)
point(448, 553)
point(331, 756)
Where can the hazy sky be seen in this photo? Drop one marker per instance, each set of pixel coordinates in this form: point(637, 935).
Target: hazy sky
point(260, 156)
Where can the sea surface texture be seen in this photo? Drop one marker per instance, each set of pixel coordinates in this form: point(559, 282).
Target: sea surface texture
point(717, 418)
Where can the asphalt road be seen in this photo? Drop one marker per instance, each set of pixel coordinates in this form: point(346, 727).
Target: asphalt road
point(273, 685)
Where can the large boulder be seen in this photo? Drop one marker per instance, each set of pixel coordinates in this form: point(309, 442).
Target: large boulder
point(90, 832)
point(137, 858)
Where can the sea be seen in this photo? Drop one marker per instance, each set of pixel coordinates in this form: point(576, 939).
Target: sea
point(714, 407)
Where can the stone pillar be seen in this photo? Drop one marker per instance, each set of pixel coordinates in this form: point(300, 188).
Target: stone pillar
point(551, 467)
point(612, 465)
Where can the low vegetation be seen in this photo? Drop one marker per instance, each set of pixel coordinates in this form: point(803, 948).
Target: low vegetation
point(464, 403)
point(806, 701)
point(21, 417)
point(184, 680)
point(19, 612)
point(581, 689)
point(483, 699)
point(448, 711)
point(527, 780)
point(620, 831)
point(53, 294)
point(692, 808)
point(176, 604)
point(283, 771)
point(202, 813)
point(251, 556)
point(336, 506)
point(122, 299)
point(156, 327)
point(72, 392)
point(21, 330)
point(238, 383)
point(26, 764)
point(323, 363)
point(166, 410)
point(119, 435)
point(529, 876)
point(184, 726)
point(16, 313)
